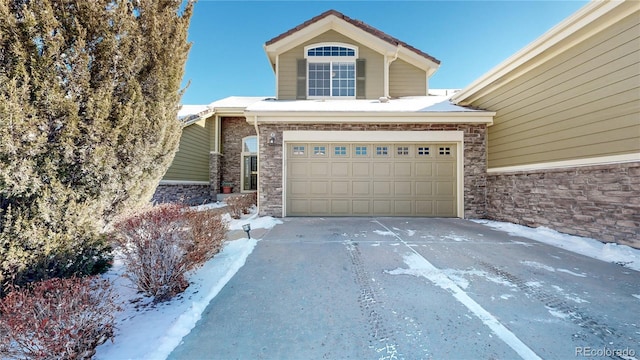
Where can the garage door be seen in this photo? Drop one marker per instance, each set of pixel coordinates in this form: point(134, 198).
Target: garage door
point(347, 179)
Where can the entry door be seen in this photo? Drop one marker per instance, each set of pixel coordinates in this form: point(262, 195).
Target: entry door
point(250, 172)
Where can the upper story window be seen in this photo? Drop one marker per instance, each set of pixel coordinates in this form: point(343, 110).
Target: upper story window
point(331, 70)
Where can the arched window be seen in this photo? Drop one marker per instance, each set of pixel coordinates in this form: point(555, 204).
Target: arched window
point(331, 70)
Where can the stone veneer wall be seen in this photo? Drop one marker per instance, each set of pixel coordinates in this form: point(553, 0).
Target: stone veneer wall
point(270, 186)
point(234, 129)
point(188, 194)
point(601, 202)
point(215, 172)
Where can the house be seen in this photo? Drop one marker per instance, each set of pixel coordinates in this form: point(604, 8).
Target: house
point(549, 137)
point(353, 130)
point(564, 148)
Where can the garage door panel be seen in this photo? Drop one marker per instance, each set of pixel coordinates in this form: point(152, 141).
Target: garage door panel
point(382, 169)
point(402, 188)
point(361, 169)
point(340, 169)
point(445, 188)
point(297, 169)
point(382, 207)
point(319, 206)
point(361, 188)
point(340, 188)
point(382, 188)
point(340, 207)
point(445, 169)
point(445, 208)
point(299, 188)
point(361, 207)
point(402, 169)
point(319, 169)
point(371, 180)
point(403, 207)
point(424, 169)
point(424, 188)
point(320, 188)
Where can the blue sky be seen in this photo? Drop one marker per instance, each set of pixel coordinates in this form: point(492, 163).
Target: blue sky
point(468, 37)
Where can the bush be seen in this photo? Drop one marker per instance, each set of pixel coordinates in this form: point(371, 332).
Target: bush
point(57, 319)
point(159, 245)
point(240, 204)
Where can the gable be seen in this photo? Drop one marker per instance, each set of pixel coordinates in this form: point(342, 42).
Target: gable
point(376, 52)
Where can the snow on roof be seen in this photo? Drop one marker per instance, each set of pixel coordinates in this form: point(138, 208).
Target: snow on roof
point(188, 110)
point(417, 104)
point(235, 102)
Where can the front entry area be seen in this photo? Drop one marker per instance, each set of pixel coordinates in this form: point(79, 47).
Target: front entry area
point(371, 179)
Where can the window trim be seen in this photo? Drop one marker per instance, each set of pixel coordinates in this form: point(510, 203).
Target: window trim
point(331, 60)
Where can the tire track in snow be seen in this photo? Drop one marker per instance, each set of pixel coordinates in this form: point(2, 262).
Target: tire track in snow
point(370, 306)
point(419, 266)
point(559, 307)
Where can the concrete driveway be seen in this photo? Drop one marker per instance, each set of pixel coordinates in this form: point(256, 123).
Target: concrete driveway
point(405, 288)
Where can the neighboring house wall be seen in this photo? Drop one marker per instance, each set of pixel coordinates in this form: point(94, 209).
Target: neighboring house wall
point(191, 162)
point(565, 144)
point(187, 179)
point(406, 80)
point(270, 187)
point(583, 103)
point(287, 66)
point(601, 202)
point(233, 130)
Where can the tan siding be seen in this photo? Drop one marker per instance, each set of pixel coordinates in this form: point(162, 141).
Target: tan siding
point(584, 102)
point(191, 162)
point(287, 66)
point(406, 80)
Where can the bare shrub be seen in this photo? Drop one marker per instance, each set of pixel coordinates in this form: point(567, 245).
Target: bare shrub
point(57, 319)
point(161, 244)
point(240, 204)
point(208, 231)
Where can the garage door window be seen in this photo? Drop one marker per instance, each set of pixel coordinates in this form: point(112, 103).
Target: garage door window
point(382, 151)
point(298, 150)
point(319, 151)
point(445, 151)
point(340, 151)
point(423, 150)
point(361, 151)
point(403, 150)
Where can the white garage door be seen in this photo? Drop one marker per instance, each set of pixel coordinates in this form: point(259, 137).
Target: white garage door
point(374, 179)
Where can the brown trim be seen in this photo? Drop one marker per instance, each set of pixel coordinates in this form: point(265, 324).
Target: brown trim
point(357, 23)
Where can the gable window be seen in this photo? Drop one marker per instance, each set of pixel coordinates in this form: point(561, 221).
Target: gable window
point(331, 70)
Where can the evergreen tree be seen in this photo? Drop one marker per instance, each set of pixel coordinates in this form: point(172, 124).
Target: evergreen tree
point(89, 93)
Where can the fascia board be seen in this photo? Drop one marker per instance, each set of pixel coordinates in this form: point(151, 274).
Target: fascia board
point(418, 61)
point(538, 52)
point(373, 118)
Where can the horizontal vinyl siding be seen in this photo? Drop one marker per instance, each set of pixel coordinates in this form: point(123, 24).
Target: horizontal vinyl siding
point(406, 80)
point(287, 66)
point(191, 162)
point(582, 103)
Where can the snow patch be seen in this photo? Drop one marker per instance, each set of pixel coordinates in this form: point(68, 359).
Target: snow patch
point(266, 222)
point(209, 206)
point(384, 233)
point(609, 252)
point(571, 272)
point(537, 265)
point(506, 296)
point(636, 296)
point(557, 313)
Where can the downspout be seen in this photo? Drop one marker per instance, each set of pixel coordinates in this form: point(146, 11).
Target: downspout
point(386, 70)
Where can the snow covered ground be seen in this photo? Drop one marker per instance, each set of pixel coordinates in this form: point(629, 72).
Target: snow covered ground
point(609, 252)
point(148, 331)
point(151, 331)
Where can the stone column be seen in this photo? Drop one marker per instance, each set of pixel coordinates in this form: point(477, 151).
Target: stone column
point(215, 172)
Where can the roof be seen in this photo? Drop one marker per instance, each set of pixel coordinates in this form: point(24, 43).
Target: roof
point(558, 39)
point(190, 114)
point(359, 24)
point(411, 104)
